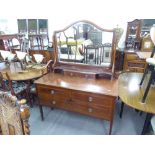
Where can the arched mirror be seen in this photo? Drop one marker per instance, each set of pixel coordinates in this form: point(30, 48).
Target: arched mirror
point(86, 45)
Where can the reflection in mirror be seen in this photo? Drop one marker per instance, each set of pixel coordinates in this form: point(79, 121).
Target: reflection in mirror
point(86, 43)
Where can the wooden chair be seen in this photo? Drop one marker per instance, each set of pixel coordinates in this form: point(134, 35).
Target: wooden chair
point(14, 115)
point(150, 67)
point(16, 88)
point(133, 63)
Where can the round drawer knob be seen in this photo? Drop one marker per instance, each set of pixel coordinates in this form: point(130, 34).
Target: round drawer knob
point(90, 99)
point(53, 102)
point(90, 110)
point(52, 92)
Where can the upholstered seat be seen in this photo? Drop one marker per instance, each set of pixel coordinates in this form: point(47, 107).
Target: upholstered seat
point(19, 87)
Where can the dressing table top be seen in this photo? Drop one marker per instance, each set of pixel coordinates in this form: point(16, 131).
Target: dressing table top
point(100, 86)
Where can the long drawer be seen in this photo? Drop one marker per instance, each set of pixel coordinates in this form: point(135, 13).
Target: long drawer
point(52, 95)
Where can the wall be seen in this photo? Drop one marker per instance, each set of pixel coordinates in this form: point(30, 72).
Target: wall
point(107, 14)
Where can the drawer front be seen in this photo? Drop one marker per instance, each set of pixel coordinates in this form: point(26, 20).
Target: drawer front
point(103, 113)
point(50, 94)
point(93, 100)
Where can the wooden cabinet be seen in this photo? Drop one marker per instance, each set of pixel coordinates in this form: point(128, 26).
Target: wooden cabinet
point(132, 63)
point(133, 34)
point(95, 98)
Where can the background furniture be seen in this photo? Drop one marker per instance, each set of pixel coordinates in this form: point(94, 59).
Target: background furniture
point(11, 42)
point(95, 97)
point(17, 74)
point(14, 115)
point(133, 34)
point(131, 93)
point(132, 62)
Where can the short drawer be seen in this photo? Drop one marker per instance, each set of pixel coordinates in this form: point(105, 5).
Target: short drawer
point(48, 94)
point(90, 99)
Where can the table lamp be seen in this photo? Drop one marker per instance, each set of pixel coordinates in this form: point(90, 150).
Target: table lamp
point(38, 58)
point(5, 54)
point(11, 56)
point(21, 57)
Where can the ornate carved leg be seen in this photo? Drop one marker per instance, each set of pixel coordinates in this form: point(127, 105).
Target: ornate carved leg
point(25, 114)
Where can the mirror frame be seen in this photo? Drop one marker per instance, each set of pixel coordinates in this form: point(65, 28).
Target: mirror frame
point(107, 70)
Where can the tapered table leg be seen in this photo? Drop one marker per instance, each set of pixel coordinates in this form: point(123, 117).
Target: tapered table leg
point(122, 108)
point(41, 112)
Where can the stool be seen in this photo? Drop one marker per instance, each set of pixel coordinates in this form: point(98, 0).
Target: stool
point(150, 67)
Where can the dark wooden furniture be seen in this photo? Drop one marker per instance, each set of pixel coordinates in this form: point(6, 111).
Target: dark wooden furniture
point(93, 97)
point(131, 93)
point(81, 41)
point(6, 42)
point(133, 34)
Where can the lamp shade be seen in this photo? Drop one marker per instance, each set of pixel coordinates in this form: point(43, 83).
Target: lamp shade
point(152, 34)
point(38, 57)
point(21, 55)
point(5, 54)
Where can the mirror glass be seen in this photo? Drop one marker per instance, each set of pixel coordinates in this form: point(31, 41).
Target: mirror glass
point(85, 43)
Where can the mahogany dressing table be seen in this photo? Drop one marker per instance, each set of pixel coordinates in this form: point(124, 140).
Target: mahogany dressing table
point(80, 86)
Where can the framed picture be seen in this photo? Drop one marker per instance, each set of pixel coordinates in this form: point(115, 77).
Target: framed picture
point(147, 44)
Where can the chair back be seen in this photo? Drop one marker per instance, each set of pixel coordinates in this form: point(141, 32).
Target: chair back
point(14, 115)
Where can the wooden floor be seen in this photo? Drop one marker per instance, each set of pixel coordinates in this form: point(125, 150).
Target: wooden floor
point(60, 122)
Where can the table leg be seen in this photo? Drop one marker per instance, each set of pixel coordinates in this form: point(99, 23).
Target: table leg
point(110, 130)
point(146, 123)
point(41, 112)
point(122, 108)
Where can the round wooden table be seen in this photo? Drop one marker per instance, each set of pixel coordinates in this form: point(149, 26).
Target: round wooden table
point(17, 74)
point(131, 94)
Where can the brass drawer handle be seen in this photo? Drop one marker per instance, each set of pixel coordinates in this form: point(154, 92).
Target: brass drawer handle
point(53, 102)
point(52, 92)
point(90, 110)
point(90, 99)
